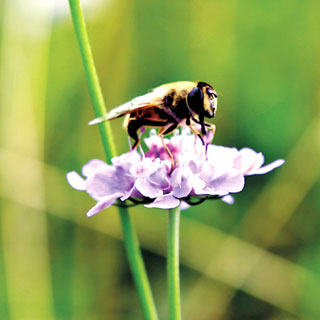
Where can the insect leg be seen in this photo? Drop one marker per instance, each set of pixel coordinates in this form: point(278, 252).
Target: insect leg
point(163, 131)
point(203, 128)
point(170, 129)
point(209, 125)
point(173, 163)
point(201, 122)
point(133, 126)
point(196, 133)
point(212, 127)
point(205, 123)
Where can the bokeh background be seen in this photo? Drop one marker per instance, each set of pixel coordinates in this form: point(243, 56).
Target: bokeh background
point(256, 259)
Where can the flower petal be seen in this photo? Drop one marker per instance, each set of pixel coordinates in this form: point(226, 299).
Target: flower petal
point(93, 166)
point(207, 172)
point(228, 199)
point(100, 185)
point(143, 168)
point(181, 186)
point(148, 189)
point(182, 190)
point(126, 160)
point(232, 181)
point(184, 205)
point(167, 201)
point(248, 160)
point(76, 181)
point(221, 158)
point(269, 167)
point(159, 177)
point(103, 204)
point(109, 181)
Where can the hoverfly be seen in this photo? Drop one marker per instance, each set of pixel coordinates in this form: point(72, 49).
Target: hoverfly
point(168, 106)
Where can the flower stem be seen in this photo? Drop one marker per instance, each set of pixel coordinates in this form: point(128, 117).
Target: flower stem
point(92, 77)
point(173, 264)
point(137, 266)
point(130, 238)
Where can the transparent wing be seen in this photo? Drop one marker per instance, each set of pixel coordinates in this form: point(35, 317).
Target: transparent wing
point(146, 101)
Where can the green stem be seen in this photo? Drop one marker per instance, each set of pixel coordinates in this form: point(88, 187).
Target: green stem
point(92, 78)
point(130, 238)
point(173, 264)
point(137, 266)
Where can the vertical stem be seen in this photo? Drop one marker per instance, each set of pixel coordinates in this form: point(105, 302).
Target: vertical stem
point(130, 238)
point(173, 264)
point(137, 266)
point(92, 77)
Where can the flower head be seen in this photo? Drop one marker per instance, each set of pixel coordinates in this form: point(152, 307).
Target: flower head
point(200, 172)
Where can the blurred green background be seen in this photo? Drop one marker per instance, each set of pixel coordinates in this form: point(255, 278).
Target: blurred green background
point(256, 259)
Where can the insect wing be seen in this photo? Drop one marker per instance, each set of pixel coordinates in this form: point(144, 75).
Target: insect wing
point(137, 103)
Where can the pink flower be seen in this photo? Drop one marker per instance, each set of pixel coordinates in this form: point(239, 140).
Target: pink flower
point(200, 172)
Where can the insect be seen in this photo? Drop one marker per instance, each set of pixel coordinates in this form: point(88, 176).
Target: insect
point(168, 106)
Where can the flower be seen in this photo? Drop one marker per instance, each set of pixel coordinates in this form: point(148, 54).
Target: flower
point(200, 172)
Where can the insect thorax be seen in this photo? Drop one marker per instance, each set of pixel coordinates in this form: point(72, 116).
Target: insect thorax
point(176, 102)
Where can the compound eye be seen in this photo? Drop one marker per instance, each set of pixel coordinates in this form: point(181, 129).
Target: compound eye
point(195, 100)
